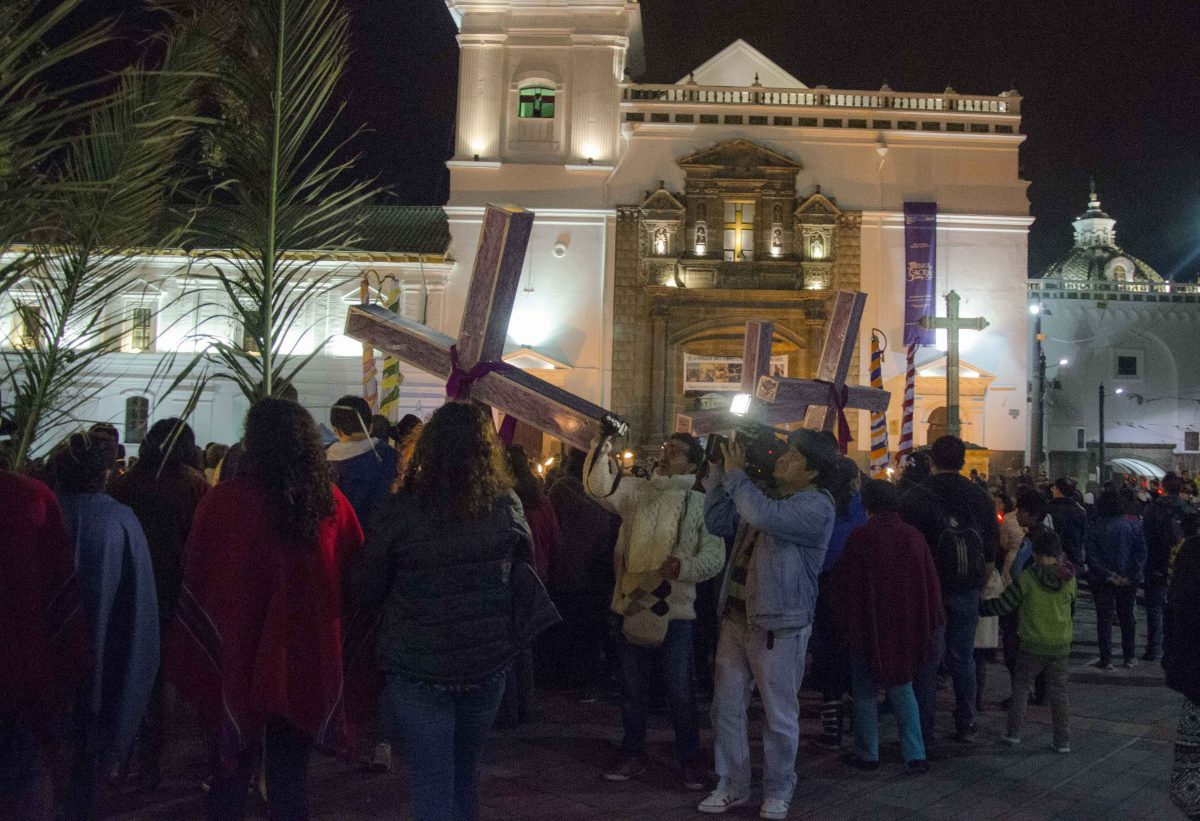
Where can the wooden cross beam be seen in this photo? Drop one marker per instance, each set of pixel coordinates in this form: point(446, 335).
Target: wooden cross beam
point(809, 399)
point(480, 344)
point(952, 323)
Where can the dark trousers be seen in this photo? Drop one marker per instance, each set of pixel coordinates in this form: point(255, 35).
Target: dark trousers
point(830, 663)
point(443, 732)
point(285, 752)
point(1156, 600)
point(958, 641)
point(1121, 600)
point(706, 630)
point(518, 698)
point(673, 659)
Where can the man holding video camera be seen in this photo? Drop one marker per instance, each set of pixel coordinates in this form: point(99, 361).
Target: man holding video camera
point(781, 526)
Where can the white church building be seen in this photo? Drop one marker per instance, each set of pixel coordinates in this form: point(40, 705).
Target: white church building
point(1117, 336)
point(669, 213)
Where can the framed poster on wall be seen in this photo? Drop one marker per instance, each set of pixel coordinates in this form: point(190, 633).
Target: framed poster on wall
point(721, 373)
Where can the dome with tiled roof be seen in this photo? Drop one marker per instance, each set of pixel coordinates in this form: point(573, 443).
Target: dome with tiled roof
point(1096, 255)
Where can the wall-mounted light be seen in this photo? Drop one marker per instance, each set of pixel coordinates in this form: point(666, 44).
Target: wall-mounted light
point(1064, 362)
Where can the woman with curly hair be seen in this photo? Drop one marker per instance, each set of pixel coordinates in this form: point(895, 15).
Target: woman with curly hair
point(257, 641)
point(438, 560)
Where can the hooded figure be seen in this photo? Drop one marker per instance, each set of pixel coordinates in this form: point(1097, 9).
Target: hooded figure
point(116, 583)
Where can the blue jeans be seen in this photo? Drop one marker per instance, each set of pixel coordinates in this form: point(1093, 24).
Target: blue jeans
point(866, 714)
point(443, 733)
point(1156, 600)
point(962, 616)
point(674, 658)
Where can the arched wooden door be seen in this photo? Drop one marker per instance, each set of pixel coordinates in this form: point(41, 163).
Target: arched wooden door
point(938, 420)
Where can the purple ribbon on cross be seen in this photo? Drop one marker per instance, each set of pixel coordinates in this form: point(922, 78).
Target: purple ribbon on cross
point(839, 399)
point(458, 388)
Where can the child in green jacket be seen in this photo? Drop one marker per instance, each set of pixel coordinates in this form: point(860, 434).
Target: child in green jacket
point(1043, 597)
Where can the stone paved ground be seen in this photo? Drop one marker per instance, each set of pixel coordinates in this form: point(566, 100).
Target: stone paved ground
point(1122, 725)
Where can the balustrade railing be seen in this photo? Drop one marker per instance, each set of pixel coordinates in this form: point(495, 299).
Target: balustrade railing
point(1104, 289)
point(823, 98)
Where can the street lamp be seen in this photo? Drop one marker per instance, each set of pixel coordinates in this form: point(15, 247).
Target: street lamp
point(1037, 446)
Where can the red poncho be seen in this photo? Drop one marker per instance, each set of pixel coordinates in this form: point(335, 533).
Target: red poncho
point(43, 640)
point(258, 628)
point(887, 597)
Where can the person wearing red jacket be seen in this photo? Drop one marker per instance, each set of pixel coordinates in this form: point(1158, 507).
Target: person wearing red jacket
point(888, 602)
point(256, 644)
point(43, 641)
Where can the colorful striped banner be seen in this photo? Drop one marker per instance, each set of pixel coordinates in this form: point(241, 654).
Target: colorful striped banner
point(879, 434)
point(910, 384)
point(370, 387)
point(389, 403)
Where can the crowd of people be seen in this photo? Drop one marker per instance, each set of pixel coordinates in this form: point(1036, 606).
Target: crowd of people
point(415, 584)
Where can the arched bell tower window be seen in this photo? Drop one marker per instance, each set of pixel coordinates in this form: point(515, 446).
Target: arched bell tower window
point(536, 103)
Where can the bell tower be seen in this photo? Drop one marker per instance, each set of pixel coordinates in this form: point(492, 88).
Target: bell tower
point(539, 83)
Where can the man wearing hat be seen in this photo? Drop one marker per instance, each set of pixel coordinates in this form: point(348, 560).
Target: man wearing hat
point(766, 604)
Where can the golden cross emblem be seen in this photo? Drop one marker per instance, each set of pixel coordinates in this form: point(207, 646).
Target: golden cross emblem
point(738, 226)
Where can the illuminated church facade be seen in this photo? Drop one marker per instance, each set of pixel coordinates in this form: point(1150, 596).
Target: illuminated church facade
point(667, 215)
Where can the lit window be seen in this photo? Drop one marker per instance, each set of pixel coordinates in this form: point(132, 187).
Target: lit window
point(137, 418)
point(29, 326)
point(141, 321)
point(251, 331)
point(536, 103)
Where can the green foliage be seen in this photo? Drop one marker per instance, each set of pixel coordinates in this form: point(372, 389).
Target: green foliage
point(107, 194)
point(279, 182)
point(34, 121)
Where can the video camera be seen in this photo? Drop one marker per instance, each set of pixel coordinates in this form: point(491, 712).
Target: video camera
point(763, 448)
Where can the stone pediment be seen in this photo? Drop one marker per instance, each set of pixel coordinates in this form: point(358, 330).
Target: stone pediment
point(739, 156)
point(818, 208)
point(740, 65)
point(662, 200)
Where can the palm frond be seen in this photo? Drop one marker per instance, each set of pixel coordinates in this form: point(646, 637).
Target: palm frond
point(116, 179)
point(284, 187)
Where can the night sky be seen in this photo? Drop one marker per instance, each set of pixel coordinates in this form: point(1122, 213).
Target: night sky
point(1111, 89)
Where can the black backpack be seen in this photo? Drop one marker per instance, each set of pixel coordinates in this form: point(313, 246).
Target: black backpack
point(959, 554)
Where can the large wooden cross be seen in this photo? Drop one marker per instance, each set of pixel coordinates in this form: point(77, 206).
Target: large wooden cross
point(480, 345)
point(952, 323)
point(786, 401)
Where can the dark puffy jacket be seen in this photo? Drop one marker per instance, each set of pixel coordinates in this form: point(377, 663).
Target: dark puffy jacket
point(1115, 545)
point(1070, 523)
point(1161, 523)
point(444, 588)
point(1181, 634)
point(926, 506)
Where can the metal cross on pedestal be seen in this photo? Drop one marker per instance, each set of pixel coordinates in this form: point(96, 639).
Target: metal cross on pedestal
point(952, 323)
point(472, 365)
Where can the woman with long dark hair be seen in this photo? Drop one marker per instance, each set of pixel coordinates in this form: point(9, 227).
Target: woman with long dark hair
point(162, 489)
point(257, 641)
point(1181, 661)
point(438, 560)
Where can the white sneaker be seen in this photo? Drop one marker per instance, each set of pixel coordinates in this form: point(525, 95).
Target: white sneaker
point(773, 808)
point(720, 800)
point(1063, 750)
point(1011, 741)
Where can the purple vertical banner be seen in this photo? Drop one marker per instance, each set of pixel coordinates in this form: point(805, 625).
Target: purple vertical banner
point(920, 270)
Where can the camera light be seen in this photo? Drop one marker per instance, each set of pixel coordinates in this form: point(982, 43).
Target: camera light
point(740, 404)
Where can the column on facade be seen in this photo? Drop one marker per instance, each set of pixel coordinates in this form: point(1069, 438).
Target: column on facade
point(658, 373)
point(481, 95)
point(594, 103)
